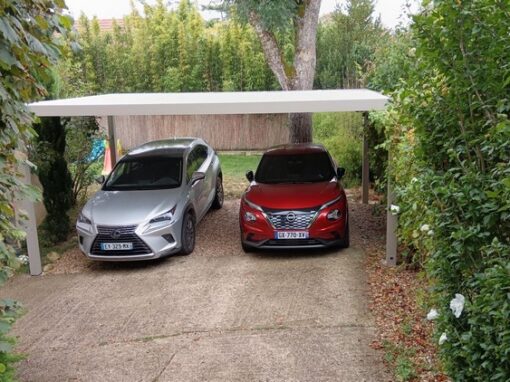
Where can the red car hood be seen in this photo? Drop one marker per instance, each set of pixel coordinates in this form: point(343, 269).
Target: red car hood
point(292, 196)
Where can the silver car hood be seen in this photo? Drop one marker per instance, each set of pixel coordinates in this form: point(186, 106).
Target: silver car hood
point(130, 207)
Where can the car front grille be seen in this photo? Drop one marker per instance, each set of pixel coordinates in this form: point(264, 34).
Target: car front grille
point(291, 219)
point(119, 234)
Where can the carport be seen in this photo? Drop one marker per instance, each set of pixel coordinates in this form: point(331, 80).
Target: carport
point(309, 101)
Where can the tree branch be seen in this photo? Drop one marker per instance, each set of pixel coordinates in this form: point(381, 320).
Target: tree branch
point(271, 50)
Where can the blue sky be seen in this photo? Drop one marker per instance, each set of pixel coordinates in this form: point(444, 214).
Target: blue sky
point(389, 10)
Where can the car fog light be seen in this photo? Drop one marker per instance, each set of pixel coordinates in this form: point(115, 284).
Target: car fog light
point(249, 217)
point(334, 215)
point(168, 237)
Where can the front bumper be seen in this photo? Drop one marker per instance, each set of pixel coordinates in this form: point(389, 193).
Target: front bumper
point(293, 244)
point(148, 241)
point(322, 232)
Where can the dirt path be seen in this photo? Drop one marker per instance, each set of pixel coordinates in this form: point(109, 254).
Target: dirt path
point(217, 315)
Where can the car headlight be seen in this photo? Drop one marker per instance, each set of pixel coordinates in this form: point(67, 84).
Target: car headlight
point(249, 217)
point(165, 216)
point(334, 215)
point(330, 203)
point(252, 205)
point(83, 219)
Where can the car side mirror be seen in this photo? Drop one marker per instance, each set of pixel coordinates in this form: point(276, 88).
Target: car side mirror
point(340, 172)
point(197, 177)
point(100, 179)
point(250, 176)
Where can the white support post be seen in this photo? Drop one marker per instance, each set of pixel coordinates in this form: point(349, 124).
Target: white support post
point(112, 140)
point(30, 227)
point(365, 178)
point(391, 224)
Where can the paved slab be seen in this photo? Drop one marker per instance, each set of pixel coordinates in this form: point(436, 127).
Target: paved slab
point(257, 317)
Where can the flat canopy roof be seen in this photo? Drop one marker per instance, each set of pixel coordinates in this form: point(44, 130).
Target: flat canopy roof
point(268, 102)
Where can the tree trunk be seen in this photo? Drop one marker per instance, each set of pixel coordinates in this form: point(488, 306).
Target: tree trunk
point(300, 127)
point(301, 75)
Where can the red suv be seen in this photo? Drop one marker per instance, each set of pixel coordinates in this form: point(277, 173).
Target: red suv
point(295, 200)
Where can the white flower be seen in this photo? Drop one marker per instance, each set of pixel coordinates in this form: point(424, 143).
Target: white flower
point(425, 228)
point(457, 305)
point(394, 209)
point(414, 180)
point(23, 259)
point(432, 315)
point(430, 233)
point(443, 339)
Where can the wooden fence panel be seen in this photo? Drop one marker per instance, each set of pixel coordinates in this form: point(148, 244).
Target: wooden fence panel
point(223, 132)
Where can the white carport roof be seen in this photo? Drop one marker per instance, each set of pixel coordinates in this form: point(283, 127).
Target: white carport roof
point(213, 103)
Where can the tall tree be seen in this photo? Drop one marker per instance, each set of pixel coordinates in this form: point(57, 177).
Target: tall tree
point(346, 43)
point(296, 18)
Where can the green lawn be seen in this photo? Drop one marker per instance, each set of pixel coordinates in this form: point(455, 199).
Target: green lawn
point(234, 167)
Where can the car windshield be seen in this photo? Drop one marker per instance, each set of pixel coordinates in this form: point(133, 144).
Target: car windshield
point(300, 168)
point(145, 173)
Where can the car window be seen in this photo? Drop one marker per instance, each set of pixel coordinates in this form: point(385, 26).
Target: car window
point(297, 168)
point(202, 153)
point(190, 165)
point(145, 173)
point(195, 160)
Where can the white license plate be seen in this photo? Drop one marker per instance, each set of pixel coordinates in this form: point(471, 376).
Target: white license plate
point(116, 246)
point(291, 235)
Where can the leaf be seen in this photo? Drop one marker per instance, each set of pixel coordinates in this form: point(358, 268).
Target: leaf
point(4, 327)
point(66, 21)
point(6, 57)
point(5, 347)
point(9, 33)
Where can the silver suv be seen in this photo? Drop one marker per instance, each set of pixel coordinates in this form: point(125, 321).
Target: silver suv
point(149, 205)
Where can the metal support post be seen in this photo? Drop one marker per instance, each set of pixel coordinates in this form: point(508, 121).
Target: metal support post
point(365, 179)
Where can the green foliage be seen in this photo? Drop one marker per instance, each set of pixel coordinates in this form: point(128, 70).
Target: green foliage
point(27, 47)
point(54, 176)
point(275, 15)
point(450, 137)
point(9, 311)
point(486, 345)
point(400, 358)
point(29, 44)
point(392, 61)
point(81, 133)
point(404, 369)
point(168, 50)
point(342, 135)
point(346, 44)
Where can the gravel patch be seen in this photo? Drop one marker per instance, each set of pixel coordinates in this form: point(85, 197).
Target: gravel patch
point(218, 235)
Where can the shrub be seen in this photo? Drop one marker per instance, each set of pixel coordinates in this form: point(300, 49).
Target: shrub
point(84, 164)
point(342, 135)
point(451, 165)
point(55, 177)
point(29, 42)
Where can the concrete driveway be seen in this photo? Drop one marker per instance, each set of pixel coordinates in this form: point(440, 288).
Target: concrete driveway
point(232, 317)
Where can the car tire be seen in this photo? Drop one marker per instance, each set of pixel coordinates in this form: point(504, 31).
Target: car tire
point(188, 234)
point(346, 242)
point(219, 195)
point(246, 248)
